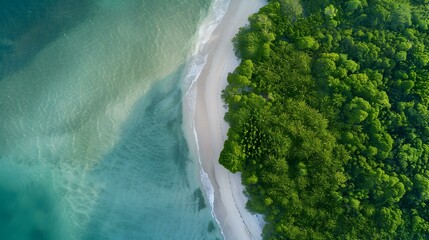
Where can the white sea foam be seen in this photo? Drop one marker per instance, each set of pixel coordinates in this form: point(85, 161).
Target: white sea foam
point(195, 65)
point(65, 120)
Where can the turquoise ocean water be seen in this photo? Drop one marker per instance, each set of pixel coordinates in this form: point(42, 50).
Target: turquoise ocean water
point(91, 129)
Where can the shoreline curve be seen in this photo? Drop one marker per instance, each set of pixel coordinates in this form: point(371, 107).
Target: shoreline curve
point(203, 115)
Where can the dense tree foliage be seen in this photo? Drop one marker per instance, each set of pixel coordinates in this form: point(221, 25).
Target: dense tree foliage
point(329, 118)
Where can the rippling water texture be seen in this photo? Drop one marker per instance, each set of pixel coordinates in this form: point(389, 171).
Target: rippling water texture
point(91, 139)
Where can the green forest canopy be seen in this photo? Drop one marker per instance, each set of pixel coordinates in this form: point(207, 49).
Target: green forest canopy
point(329, 118)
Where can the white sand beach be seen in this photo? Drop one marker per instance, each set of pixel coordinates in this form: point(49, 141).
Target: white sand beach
point(211, 129)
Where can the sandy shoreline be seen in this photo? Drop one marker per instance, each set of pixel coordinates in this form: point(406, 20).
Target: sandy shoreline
point(211, 129)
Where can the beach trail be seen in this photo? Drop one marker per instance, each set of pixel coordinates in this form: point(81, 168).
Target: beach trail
point(211, 129)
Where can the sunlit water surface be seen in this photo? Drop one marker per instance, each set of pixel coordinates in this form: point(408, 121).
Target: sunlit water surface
point(91, 139)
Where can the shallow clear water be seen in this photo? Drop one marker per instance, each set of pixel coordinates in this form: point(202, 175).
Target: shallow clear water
point(91, 139)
